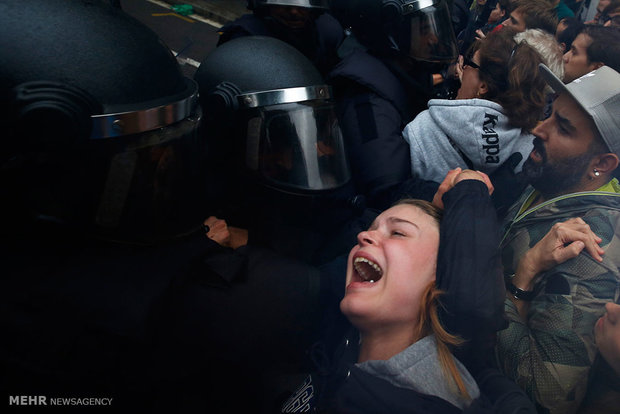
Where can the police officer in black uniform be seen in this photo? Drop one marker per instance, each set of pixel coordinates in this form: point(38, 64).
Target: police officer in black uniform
point(304, 24)
point(277, 168)
point(383, 80)
point(276, 148)
point(102, 191)
point(110, 287)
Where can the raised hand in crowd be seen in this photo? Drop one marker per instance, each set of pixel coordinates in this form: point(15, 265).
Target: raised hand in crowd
point(564, 241)
point(454, 177)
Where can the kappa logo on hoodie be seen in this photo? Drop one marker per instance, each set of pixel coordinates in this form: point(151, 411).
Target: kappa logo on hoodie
point(490, 138)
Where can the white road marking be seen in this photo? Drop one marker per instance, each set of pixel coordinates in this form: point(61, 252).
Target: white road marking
point(182, 59)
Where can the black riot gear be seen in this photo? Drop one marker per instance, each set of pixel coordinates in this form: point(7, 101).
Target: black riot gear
point(306, 25)
point(383, 80)
point(420, 29)
point(101, 170)
point(290, 134)
point(306, 4)
point(276, 158)
point(100, 122)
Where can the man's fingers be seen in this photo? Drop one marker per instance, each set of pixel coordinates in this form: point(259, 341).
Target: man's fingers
point(569, 252)
point(583, 227)
point(214, 222)
point(209, 220)
point(577, 233)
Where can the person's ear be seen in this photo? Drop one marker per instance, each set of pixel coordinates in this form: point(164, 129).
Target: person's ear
point(598, 65)
point(483, 89)
point(606, 163)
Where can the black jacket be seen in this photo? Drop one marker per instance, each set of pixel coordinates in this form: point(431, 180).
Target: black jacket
point(375, 100)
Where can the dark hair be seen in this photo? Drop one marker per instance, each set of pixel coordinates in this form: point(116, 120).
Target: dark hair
point(615, 21)
point(605, 46)
point(612, 7)
point(505, 5)
point(510, 71)
point(573, 27)
point(537, 14)
point(598, 146)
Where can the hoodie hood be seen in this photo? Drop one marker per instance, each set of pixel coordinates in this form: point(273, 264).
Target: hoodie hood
point(417, 368)
point(466, 133)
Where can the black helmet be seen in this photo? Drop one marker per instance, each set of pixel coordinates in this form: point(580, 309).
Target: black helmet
point(306, 4)
point(288, 135)
point(420, 29)
point(100, 124)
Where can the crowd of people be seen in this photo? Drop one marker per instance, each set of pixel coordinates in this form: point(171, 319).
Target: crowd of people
point(409, 207)
point(491, 106)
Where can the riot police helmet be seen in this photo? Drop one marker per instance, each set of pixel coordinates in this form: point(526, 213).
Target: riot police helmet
point(419, 29)
point(100, 123)
point(290, 15)
point(305, 4)
point(288, 137)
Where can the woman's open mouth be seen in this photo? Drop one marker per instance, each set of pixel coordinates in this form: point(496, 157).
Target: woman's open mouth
point(367, 270)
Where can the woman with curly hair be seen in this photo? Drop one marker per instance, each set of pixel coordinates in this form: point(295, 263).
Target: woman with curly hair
point(502, 96)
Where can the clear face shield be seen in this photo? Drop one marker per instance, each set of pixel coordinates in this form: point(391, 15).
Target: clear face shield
point(145, 172)
point(425, 32)
point(294, 141)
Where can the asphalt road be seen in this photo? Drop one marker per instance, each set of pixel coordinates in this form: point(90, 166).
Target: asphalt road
point(190, 39)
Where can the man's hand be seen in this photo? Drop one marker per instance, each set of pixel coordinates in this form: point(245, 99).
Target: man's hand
point(563, 242)
point(221, 233)
point(456, 176)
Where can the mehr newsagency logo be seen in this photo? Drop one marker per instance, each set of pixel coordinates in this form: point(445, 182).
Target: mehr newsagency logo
point(58, 401)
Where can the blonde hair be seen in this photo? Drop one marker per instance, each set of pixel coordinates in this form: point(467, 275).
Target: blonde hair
point(426, 207)
point(547, 47)
point(428, 319)
point(429, 323)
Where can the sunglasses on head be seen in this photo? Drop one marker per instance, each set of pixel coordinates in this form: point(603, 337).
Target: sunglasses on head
point(468, 62)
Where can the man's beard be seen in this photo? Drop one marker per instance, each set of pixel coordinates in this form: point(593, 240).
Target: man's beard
point(553, 179)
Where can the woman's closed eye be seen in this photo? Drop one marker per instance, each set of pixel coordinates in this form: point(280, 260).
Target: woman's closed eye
point(398, 233)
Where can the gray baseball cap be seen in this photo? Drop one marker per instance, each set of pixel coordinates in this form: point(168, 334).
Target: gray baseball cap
point(598, 93)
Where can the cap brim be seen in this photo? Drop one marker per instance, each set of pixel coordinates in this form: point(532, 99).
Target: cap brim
point(598, 94)
point(560, 87)
point(553, 81)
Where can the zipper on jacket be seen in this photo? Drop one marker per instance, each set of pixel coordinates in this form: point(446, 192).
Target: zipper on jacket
point(546, 203)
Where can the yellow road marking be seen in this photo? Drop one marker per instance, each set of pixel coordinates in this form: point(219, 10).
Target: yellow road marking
point(187, 19)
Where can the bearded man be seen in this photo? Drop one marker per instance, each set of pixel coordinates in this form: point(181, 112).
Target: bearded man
point(552, 306)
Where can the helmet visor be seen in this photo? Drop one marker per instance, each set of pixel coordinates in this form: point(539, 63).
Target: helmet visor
point(146, 187)
point(427, 34)
point(297, 146)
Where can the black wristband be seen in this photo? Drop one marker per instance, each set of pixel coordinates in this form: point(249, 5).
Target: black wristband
point(518, 293)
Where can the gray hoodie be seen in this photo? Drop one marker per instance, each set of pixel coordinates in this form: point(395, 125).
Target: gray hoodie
point(417, 368)
point(449, 130)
